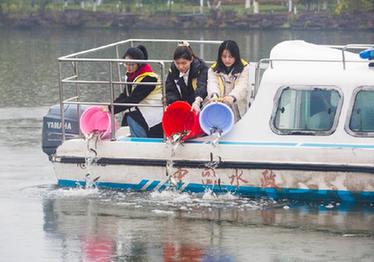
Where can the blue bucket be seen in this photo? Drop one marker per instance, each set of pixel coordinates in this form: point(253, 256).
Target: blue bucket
point(216, 117)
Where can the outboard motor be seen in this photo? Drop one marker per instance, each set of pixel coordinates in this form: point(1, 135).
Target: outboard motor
point(52, 133)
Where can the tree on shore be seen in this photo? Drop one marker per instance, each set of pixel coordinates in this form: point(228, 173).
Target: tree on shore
point(43, 4)
point(353, 5)
point(337, 6)
point(316, 4)
point(3, 4)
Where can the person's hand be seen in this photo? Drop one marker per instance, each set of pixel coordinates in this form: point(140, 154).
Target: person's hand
point(228, 100)
point(164, 101)
point(196, 105)
point(104, 108)
point(214, 98)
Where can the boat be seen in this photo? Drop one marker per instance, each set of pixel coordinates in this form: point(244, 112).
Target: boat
point(308, 133)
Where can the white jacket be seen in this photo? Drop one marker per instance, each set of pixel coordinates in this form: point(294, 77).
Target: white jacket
point(236, 85)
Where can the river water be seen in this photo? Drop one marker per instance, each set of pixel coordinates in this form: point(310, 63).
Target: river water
point(40, 222)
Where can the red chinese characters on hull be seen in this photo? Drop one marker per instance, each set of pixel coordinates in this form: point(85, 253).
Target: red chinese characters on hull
point(268, 179)
point(236, 178)
point(208, 177)
point(179, 174)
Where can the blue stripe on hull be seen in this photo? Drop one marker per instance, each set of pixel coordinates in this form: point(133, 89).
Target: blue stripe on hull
point(152, 185)
point(290, 193)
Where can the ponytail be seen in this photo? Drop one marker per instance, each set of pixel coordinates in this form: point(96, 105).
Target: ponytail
point(139, 52)
point(144, 51)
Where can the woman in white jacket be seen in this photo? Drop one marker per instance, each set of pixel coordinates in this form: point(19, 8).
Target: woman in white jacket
point(228, 79)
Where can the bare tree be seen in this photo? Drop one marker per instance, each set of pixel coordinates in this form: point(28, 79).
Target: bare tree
point(256, 7)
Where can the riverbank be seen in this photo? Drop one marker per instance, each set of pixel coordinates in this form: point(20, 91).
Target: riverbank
point(213, 20)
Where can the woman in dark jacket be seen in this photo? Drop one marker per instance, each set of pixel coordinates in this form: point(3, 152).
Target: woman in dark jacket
point(187, 78)
point(142, 121)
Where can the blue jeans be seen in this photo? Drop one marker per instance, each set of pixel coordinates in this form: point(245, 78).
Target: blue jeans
point(136, 130)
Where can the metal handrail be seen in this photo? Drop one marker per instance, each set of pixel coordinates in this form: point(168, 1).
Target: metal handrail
point(108, 103)
point(354, 47)
point(76, 59)
point(131, 41)
point(101, 82)
point(111, 84)
point(270, 61)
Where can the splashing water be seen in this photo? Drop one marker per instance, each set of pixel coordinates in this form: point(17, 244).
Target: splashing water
point(215, 136)
point(213, 164)
point(209, 195)
point(165, 202)
point(78, 192)
point(169, 172)
point(173, 196)
point(174, 142)
point(91, 159)
point(163, 212)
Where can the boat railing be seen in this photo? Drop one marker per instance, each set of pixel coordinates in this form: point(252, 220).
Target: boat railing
point(112, 66)
point(265, 63)
point(352, 47)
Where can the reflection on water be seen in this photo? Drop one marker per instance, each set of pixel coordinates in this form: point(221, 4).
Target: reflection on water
point(168, 226)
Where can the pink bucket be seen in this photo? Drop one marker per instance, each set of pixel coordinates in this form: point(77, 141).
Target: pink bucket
point(94, 119)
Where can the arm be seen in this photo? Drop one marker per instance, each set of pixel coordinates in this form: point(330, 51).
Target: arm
point(172, 93)
point(202, 78)
point(212, 84)
point(139, 93)
point(240, 91)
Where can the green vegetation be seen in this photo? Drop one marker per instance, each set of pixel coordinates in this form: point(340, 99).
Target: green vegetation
point(354, 5)
point(164, 7)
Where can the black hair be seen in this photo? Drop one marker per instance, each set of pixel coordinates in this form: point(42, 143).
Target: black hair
point(184, 52)
point(139, 52)
point(233, 48)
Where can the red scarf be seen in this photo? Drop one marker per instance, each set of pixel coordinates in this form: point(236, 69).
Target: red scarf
point(145, 68)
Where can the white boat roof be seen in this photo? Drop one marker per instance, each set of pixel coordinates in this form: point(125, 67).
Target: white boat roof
point(300, 63)
point(299, 49)
point(298, 53)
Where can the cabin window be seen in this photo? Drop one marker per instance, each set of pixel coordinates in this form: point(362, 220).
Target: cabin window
point(306, 110)
point(361, 122)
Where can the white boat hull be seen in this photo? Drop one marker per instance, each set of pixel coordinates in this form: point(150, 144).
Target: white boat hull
point(258, 170)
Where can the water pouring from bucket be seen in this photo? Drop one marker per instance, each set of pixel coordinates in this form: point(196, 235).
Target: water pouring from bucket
point(216, 120)
point(95, 124)
point(179, 124)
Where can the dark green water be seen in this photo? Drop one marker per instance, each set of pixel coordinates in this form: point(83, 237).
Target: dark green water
point(40, 222)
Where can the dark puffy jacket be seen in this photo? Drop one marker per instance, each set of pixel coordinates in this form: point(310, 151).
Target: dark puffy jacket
point(196, 86)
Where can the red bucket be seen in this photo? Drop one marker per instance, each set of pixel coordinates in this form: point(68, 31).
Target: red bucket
point(178, 118)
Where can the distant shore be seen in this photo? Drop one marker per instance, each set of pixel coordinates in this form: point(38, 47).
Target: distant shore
point(213, 20)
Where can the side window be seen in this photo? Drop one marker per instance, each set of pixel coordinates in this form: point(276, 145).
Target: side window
point(306, 110)
point(361, 121)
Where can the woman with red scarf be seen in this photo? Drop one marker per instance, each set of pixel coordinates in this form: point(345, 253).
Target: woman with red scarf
point(142, 121)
